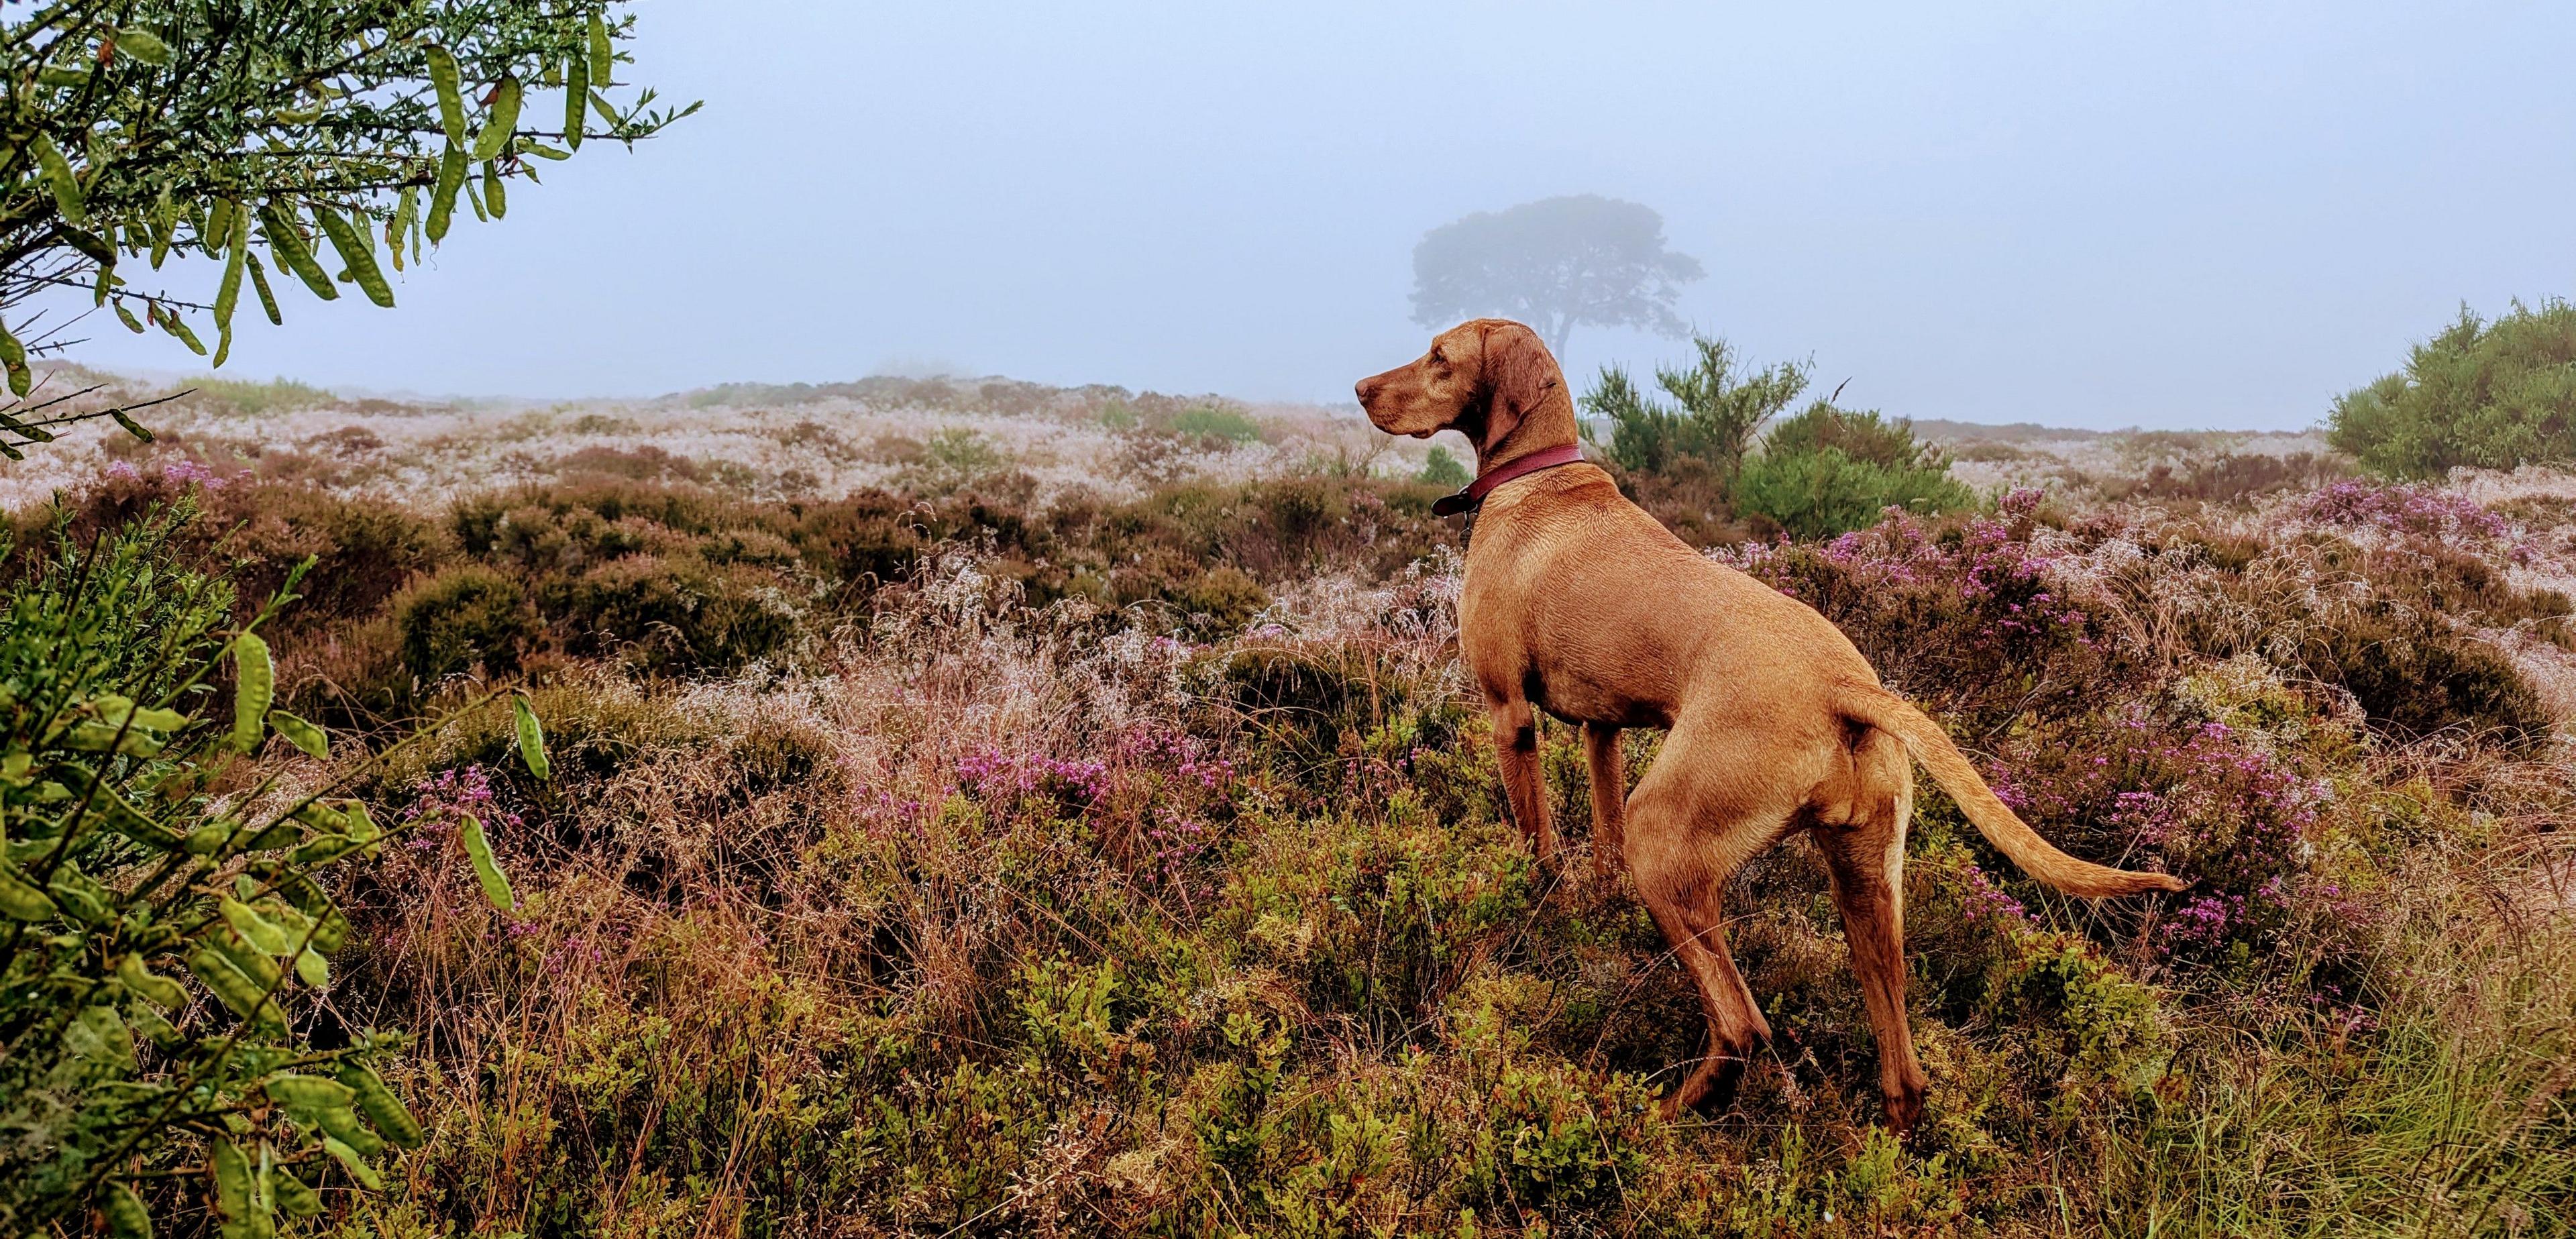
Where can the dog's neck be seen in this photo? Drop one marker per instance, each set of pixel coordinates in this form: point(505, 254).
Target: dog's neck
point(1549, 425)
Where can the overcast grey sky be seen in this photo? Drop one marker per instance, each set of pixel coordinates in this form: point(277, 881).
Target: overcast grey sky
point(2170, 214)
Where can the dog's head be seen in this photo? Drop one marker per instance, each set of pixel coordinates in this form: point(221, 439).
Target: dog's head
point(1482, 378)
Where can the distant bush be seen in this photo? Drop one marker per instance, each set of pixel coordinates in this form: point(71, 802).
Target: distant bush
point(279, 395)
point(1212, 422)
point(1443, 470)
point(1719, 410)
point(2492, 395)
point(466, 616)
point(1829, 471)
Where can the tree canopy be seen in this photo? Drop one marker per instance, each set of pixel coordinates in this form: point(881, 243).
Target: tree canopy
point(1555, 263)
point(338, 138)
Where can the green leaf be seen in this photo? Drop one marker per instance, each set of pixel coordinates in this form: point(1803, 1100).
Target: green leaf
point(532, 737)
point(442, 198)
point(357, 250)
point(143, 45)
point(256, 688)
point(576, 100)
point(126, 1216)
point(58, 174)
point(451, 97)
point(286, 243)
point(301, 734)
point(503, 122)
point(603, 54)
point(496, 885)
point(267, 297)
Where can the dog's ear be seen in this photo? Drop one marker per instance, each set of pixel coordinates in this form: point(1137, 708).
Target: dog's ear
point(1519, 376)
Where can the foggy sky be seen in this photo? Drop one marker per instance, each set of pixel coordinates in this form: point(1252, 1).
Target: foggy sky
point(2171, 214)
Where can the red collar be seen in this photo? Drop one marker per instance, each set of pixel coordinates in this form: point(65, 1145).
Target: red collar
point(1474, 496)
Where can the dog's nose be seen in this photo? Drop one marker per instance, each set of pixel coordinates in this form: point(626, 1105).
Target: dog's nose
point(1367, 389)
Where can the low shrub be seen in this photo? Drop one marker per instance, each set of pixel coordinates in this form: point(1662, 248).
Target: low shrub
point(464, 617)
point(2492, 395)
point(1829, 471)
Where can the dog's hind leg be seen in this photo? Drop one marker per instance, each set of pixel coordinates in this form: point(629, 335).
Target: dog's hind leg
point(1524, 779)
point(1609, 798)
point(1865, 855)
point(1689, 828)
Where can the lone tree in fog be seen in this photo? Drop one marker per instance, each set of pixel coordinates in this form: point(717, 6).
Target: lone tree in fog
point(1552, 264)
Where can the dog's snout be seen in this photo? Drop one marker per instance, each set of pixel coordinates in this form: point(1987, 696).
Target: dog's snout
point(1367, 389)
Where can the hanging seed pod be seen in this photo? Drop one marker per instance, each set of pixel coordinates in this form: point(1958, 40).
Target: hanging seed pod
point(494, 196)
point(256, 687)
point(603, 55)
point(126, 1216)
point(360, 253)
point(265, 935)
point(502, 123)
point(381, 1107)
point(496, 885)
point(576, 100)
point(149, 986)
point(442, 199)
point(303, 735)
point(532, 737)
point(19, 898)
point(286, 243)
point(267, 297)
point(58, 174)
point(451, 95)
point(13, 355)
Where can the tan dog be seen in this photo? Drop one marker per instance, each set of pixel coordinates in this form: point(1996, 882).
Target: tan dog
point(1578, 603)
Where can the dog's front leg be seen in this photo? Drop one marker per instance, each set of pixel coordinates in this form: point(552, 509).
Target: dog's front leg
point(1516, 749)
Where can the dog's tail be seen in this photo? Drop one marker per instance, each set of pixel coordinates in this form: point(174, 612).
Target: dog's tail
point(1931, 746)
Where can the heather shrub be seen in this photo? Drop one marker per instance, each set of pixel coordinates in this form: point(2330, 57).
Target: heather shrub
point(462, 618)
point(676, 612)
point(2491, 395)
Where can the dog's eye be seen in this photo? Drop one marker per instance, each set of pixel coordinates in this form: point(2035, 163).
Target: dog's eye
point(1438, 359)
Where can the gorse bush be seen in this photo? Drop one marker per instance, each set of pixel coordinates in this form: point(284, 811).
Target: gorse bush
point(1720, 409)
point(163, 969)
point(1828, 471)
point(2491, 395)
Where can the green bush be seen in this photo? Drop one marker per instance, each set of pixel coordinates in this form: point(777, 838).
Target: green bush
point(2491, 395)
point(1443, 470)
point(1720, 409)
point(138, 855)
point(465, 616)
point(1829, 471)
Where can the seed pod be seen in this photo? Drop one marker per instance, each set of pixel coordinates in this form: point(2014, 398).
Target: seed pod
point(58, 174)
point(496, 885)
point(232, 1178)
point(406, 221)
point(236, 256)
point(250, 961)
point(102, 1037)
point(354, 1164)
point(295, 1198)
point(154, 1026)
point(225, 982)
point(343, 1125)
point(494, 196)
point(442, 198)
point(267, 298)
point(264, 934)
point(576, 100)
point(218, 233)
point(142, 45)
point(532, 737)
point(171, 322)
point(256, 688)
point(13, 355)
point(451, 96)
point(298, 732)
point(286, 244)
point(20, 900)
point(81, 895)
point(309, 1094)
point(149, 986)
point(603, 56)
point(360, 253)
point(315, 970)
point(503, 123)
point(126, 1216)
point(381, 1107)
